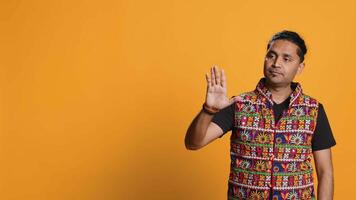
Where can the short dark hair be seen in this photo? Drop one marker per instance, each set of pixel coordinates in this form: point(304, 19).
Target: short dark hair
point(292, 37)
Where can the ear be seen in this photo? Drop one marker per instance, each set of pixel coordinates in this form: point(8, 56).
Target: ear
point(300, 67)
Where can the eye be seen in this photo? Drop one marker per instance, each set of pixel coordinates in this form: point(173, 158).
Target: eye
point(269, 55)
point(287, 59)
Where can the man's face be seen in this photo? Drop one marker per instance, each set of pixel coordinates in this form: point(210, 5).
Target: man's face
point(282, 63)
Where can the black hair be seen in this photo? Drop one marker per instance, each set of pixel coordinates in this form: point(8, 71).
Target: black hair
point(292, 37)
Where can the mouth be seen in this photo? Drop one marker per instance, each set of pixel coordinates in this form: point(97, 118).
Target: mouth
point(275, 72)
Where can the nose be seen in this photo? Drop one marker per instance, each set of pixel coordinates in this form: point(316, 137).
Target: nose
point(277, 62)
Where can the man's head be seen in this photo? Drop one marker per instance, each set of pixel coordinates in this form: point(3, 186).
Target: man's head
point(284, 58)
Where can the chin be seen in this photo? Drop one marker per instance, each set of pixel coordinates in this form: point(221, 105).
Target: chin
point(275, 80)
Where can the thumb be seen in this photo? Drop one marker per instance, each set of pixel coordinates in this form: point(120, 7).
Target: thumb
point(233, 99)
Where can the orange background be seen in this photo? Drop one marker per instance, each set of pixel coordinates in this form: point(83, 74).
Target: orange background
point(96, 96)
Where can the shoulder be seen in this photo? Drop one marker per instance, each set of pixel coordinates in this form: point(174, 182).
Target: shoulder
point(309, 100)
point(244, 99)
point(249, 96)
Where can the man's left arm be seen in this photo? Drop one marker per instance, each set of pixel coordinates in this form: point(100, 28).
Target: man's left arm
point(325, 174)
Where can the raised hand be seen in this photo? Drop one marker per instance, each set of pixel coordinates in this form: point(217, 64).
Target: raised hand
point(216, 94)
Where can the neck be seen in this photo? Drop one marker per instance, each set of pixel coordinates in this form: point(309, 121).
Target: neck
point(279, 92)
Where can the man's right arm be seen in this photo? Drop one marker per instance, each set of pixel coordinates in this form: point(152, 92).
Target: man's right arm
point(201, 131)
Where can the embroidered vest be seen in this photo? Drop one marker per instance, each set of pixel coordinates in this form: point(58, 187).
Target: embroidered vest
point(269, 157)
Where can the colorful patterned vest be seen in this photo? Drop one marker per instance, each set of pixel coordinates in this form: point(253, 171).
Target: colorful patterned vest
point(268, 157)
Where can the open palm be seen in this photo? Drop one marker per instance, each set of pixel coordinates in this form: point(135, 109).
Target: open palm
point(216, 95)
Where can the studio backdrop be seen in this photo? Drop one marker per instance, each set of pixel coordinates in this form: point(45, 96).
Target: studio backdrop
point(96, 96)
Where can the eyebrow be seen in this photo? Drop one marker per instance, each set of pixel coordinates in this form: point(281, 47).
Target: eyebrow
point(284, 55)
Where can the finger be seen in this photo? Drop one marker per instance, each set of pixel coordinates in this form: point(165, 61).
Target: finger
point(208, 79)
point(235, 99)
point(217, 75)
point(232, 100)
point(238, 98)
point(212, 76)
point(223, 79)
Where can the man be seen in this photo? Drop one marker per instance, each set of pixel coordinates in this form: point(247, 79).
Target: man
point(276, 129)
